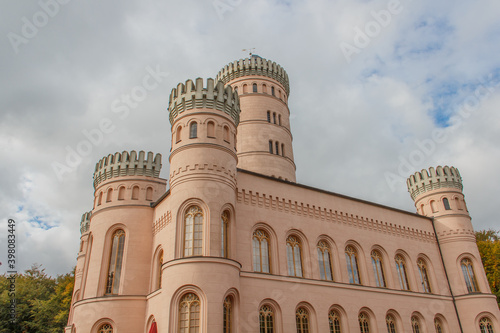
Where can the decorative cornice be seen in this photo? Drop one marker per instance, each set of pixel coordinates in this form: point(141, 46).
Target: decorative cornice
point(441, 177)
point(162, 222)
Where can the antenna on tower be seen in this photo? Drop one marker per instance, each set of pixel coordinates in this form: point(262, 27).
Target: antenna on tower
point(249, 51)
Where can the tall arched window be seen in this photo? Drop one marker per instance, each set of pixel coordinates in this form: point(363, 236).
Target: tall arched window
point(245, 88)
point(270, 146)
point(378, 270)
point(446, 204)
point(294, 256)
point(135, 193)
point(178, 134)
point(227, 315)
point(324, 261)
point(254, 87)
point(160, 272)
point(189, 314)
point(485, 325)
point(391, 324)
point(272, 91)
point(121, 193)
point(424, 276)
point(266, 319)
point(470, 278)
point(364, 323)
point(282, 149)
point(264, 89)
point(433, 206)
point(268, 116)
point(260, 242)
point(99, 200)
point(302, 320)
point(438, 325)
point(279, 119)
point(226, 134)
point(415, 325)
point(193, 130)
point(277, 146)
point(149, 194)
point(211, 129)
point(193, 232)
point(224, 233)
point(401, 270)
point(274, 117)
point(115, 262)
point(109, 195)
point(352, 265)
point(334, 322)
point(105, 328)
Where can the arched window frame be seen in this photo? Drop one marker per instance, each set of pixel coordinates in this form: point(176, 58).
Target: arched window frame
point(160, 270)
point(424, 276)
point(485, 325)
point(189, 313)
point(415, 325)
point(225, 135)
point(438, 325)
point(302, 320)
point(135, 192)
point(193, 231)
point(334, 321)
point(121, 193)
point(261, 251)
point(225, 220)
point(352, 264)
point(105, 328)
point(149, 193)
point(469, 276)
point(267, 319)
point(324, 260)
point(109, 195)
point(269, 116)
point(193, 130)
point(277, 146)
point(294, 256)
point(272, 91)
point(446, 204)
point(254, 88)
point(270, 146)
point(227, 316)
point(390, 322)
point(402, 272)
point(210, 129)
point(364, 322)
point(115, 263)
point(178, 134)
point(378, 269)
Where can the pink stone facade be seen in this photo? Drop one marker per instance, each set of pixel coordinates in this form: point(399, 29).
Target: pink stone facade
point(233, 244)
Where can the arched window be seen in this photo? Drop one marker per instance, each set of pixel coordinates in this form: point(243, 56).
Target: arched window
point(424, 276)
point(438, 325)
point(390, 322)
point(401, 270)
point(364, 323)
point(277, 145)
point(121, 193)
point(135, 193)
point(105, 328)
point(178, 134)
point(266, 319)
point(227, 315)
point(254, 87)
point(270, 146)
point(245, 89)
point(193, 232)
point(224, 233)
point(282, 149)
point(457, 204)
point(324, 261)
point(302, 320)
point(422, 210)
point(378, 270)
point(433, 206)
point(264, 89)
point(260, 242)
point(470, 278)
point(274, 117)
point(294, 256)
point(279, 119)
point(109, 195)
point(189, 314)
point(446, 204)
point(149, 194)
point(485, 325)
point(160, 272)
point(193, 130)
point(226, 134)
point(334, 322)
point(99, 200)
point(211, 129)
point(268, 116)
point(415, 325)
point(115, 262)
point(352, 265)
point(272, 91)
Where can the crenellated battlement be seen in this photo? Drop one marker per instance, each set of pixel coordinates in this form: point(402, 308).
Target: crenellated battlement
point(214, 96)
point(254, 65)
point(127, 164)
point(85, 222)
point(427, 180)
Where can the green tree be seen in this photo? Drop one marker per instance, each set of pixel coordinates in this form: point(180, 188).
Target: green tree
point(42, 302)
point(488, 243)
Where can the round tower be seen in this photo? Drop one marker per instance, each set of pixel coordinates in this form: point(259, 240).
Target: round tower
point(437, 193)
point(114, 261)
point(202, 199)
point(264, 141)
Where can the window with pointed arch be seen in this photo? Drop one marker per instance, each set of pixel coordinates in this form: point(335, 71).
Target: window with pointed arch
point(438, 326)
point(193, 232)
point(266, 319)
point(160, 264)
point(105, 328)
point(470, 278)
point(485, 325)
point(115, 262)
point(364, 323)
point(294, 256)
point(224, 234)
point(334, 321)
point(415, 325)
point(193, 130)
point(351, 257)
point(401, 270)
point(378, 270)
point(390, 322)
point(424, 276)
point(324, 261)
point(189, 314)
point(227, 315)
point(446, 204)
point(302, 320)
point(260, 243)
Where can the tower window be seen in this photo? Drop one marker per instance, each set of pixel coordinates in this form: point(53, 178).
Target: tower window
point(272, 91)
point(193, 232)
point(193, 130)
point(254, 87)
point(178, 134)
point(279, 119)
point(282, 149)
point(446, 204)
point(277, 145)
point(149, 194)
point(226, 134)
point(121, 193)
point(135, 193)
point(264, 89)
point(270, 146)
point(109, 195)
point(470, 278)
point(245, 89)
point(115, 263)
point(211, 129)
point(274, 117)
point(268, 116)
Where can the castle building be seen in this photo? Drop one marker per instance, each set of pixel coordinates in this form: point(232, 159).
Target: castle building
point(235, 245)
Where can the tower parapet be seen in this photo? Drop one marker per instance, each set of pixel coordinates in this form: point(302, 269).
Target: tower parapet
point(85, 222)
point(254, 65)
point(127, 164)
point(195, 96)
point(433, 179)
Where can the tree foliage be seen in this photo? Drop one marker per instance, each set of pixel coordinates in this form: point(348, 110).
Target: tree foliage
point(42, 302)
point(488, 243)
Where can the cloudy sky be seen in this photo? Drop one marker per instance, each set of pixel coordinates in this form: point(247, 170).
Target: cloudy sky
point(379, 90)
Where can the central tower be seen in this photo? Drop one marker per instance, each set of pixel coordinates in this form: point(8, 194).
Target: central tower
point(264, 139)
